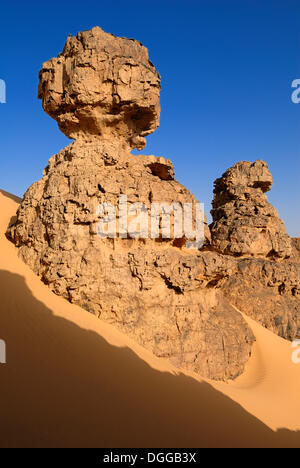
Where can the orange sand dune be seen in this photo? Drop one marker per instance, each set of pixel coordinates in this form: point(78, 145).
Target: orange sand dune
point(73, 381)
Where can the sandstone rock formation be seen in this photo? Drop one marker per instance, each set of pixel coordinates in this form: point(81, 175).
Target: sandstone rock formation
point(176, 302)
point(104, 92)
point(296, 250)
point(149, 288)
point(269, 292)
point(102, 85)
point(244, 223)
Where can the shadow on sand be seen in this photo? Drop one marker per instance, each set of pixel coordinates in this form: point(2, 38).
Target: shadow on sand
point(11, 196)
point(64, 386)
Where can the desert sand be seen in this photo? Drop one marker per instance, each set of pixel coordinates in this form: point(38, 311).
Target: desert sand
point(72, 380)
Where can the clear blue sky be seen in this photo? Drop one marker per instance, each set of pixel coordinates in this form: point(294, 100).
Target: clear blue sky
point(227, 68)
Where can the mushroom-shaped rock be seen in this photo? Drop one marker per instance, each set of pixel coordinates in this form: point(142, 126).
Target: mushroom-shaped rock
point(104, 93)
point(102, 86)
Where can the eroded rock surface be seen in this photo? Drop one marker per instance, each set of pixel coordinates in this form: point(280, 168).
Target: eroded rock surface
point(295, 257)
point(102, 85)
point(244, 223)
point(176, 302)
point(160, 294)
point(269, 292)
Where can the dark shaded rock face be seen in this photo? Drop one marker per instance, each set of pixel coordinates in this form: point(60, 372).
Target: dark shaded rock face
point(296, 250)
point(176, 302)
point(268, 292)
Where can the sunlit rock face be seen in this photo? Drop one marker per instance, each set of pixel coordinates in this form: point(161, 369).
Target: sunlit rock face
point(266, 282)
point(155, 290)
point(102, 86)
point(178, 303)
point(244, 223)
